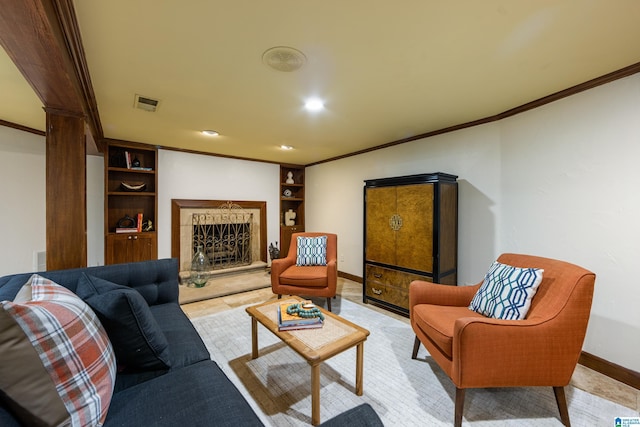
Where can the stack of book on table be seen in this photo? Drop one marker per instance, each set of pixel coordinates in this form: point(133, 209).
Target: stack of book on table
point(289, 322)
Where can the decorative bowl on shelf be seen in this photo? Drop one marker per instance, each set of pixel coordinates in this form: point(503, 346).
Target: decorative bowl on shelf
point(133, 186)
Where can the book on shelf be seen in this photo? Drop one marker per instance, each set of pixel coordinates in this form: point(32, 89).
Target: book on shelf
point(126, 230)
point(288, 322)
point(139, 222)
point(127, 159)
point(140, 168)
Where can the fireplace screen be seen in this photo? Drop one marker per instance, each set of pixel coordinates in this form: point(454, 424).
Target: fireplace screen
point(224, 235)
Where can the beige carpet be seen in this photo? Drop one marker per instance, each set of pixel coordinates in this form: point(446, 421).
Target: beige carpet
point(404, 392)
point(226, 284)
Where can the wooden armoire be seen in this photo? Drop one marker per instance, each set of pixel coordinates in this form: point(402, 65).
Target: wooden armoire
point(410, 233)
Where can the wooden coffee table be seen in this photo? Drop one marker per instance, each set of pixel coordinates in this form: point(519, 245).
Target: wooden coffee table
point(314, 345)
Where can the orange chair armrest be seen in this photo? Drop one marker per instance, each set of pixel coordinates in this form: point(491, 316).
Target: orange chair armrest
point(484, 333)
point(332, 275)
point(494, 352)
point(278, 266)
point(421, 292)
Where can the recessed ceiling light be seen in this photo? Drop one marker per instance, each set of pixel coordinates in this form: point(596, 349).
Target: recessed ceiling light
point(314, 104)
point(210, 132)
point(286, 147)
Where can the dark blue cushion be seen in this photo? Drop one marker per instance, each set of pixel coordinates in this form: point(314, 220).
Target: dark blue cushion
point(6, 418)
point(137, 339)
point(196, 395)
point(185, 343)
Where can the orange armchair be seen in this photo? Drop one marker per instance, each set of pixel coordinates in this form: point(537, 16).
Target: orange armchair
point(478, 352)
point(318, 280)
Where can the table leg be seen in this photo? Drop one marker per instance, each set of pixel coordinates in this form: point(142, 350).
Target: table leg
point(254, 338)
point(359, 369)
point(315, 394)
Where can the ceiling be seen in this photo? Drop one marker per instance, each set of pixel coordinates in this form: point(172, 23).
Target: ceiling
point(386, 71)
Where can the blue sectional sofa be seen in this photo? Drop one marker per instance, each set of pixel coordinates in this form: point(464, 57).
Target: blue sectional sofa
point(168, 378)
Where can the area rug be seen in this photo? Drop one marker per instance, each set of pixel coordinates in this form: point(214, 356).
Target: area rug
point(226, 284)
point(404, 392)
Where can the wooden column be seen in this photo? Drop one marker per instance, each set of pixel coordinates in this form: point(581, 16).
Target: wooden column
point(43, 39)
point(66, 202)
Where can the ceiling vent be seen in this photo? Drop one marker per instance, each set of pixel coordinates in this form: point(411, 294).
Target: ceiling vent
point(145, 103)
point(283, 58)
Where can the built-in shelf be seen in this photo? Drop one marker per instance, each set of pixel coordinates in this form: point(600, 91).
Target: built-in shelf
point(293, 202)
point(119, 203)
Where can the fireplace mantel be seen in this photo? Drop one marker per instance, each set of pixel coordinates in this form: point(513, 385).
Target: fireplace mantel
point(178, 204)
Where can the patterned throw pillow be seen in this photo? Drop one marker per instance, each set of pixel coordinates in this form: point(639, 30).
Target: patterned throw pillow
point(57, 366)
point(312, 251)
point(506, 292)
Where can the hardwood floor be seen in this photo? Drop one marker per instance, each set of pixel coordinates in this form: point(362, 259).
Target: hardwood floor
point(583, 377)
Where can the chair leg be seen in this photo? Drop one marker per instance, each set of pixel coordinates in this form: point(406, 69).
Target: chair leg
point(457, 418)
point(561, 400)
point(279, 296)
point(416, 347)
point(329, 303)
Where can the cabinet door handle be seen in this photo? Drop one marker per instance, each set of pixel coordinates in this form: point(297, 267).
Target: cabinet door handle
point(395, 222)
point(376, 291)
point(129, 237)
point(377, 275)
point(135, 237)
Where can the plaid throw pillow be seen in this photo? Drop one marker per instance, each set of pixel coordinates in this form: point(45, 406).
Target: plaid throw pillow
point(506, 292)
point(311, 251)
point(57, 366)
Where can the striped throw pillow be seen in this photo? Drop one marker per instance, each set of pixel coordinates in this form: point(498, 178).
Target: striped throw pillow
point(57, 366)
point(311, 251)
point(506, 292)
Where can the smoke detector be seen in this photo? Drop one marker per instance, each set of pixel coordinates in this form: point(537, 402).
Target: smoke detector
point(284, 58)
point(145, 103)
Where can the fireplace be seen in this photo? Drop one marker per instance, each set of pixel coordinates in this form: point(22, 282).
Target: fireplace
point(224, 235)
point(231, 234)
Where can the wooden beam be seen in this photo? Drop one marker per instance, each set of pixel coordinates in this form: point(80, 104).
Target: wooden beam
point(31, 35)
point(43, 39)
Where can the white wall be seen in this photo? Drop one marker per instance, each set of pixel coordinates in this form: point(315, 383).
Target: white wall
point(570, 191)
point(95, 210)
point(201, 177)
point(22, 194)
point(334, 193)
point(559, 181)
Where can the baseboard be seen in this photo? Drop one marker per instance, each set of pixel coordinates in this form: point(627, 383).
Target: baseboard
point(351, 277)
point(611, 370)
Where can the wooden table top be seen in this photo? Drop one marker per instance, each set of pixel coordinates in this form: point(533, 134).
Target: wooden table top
point(314, 345)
